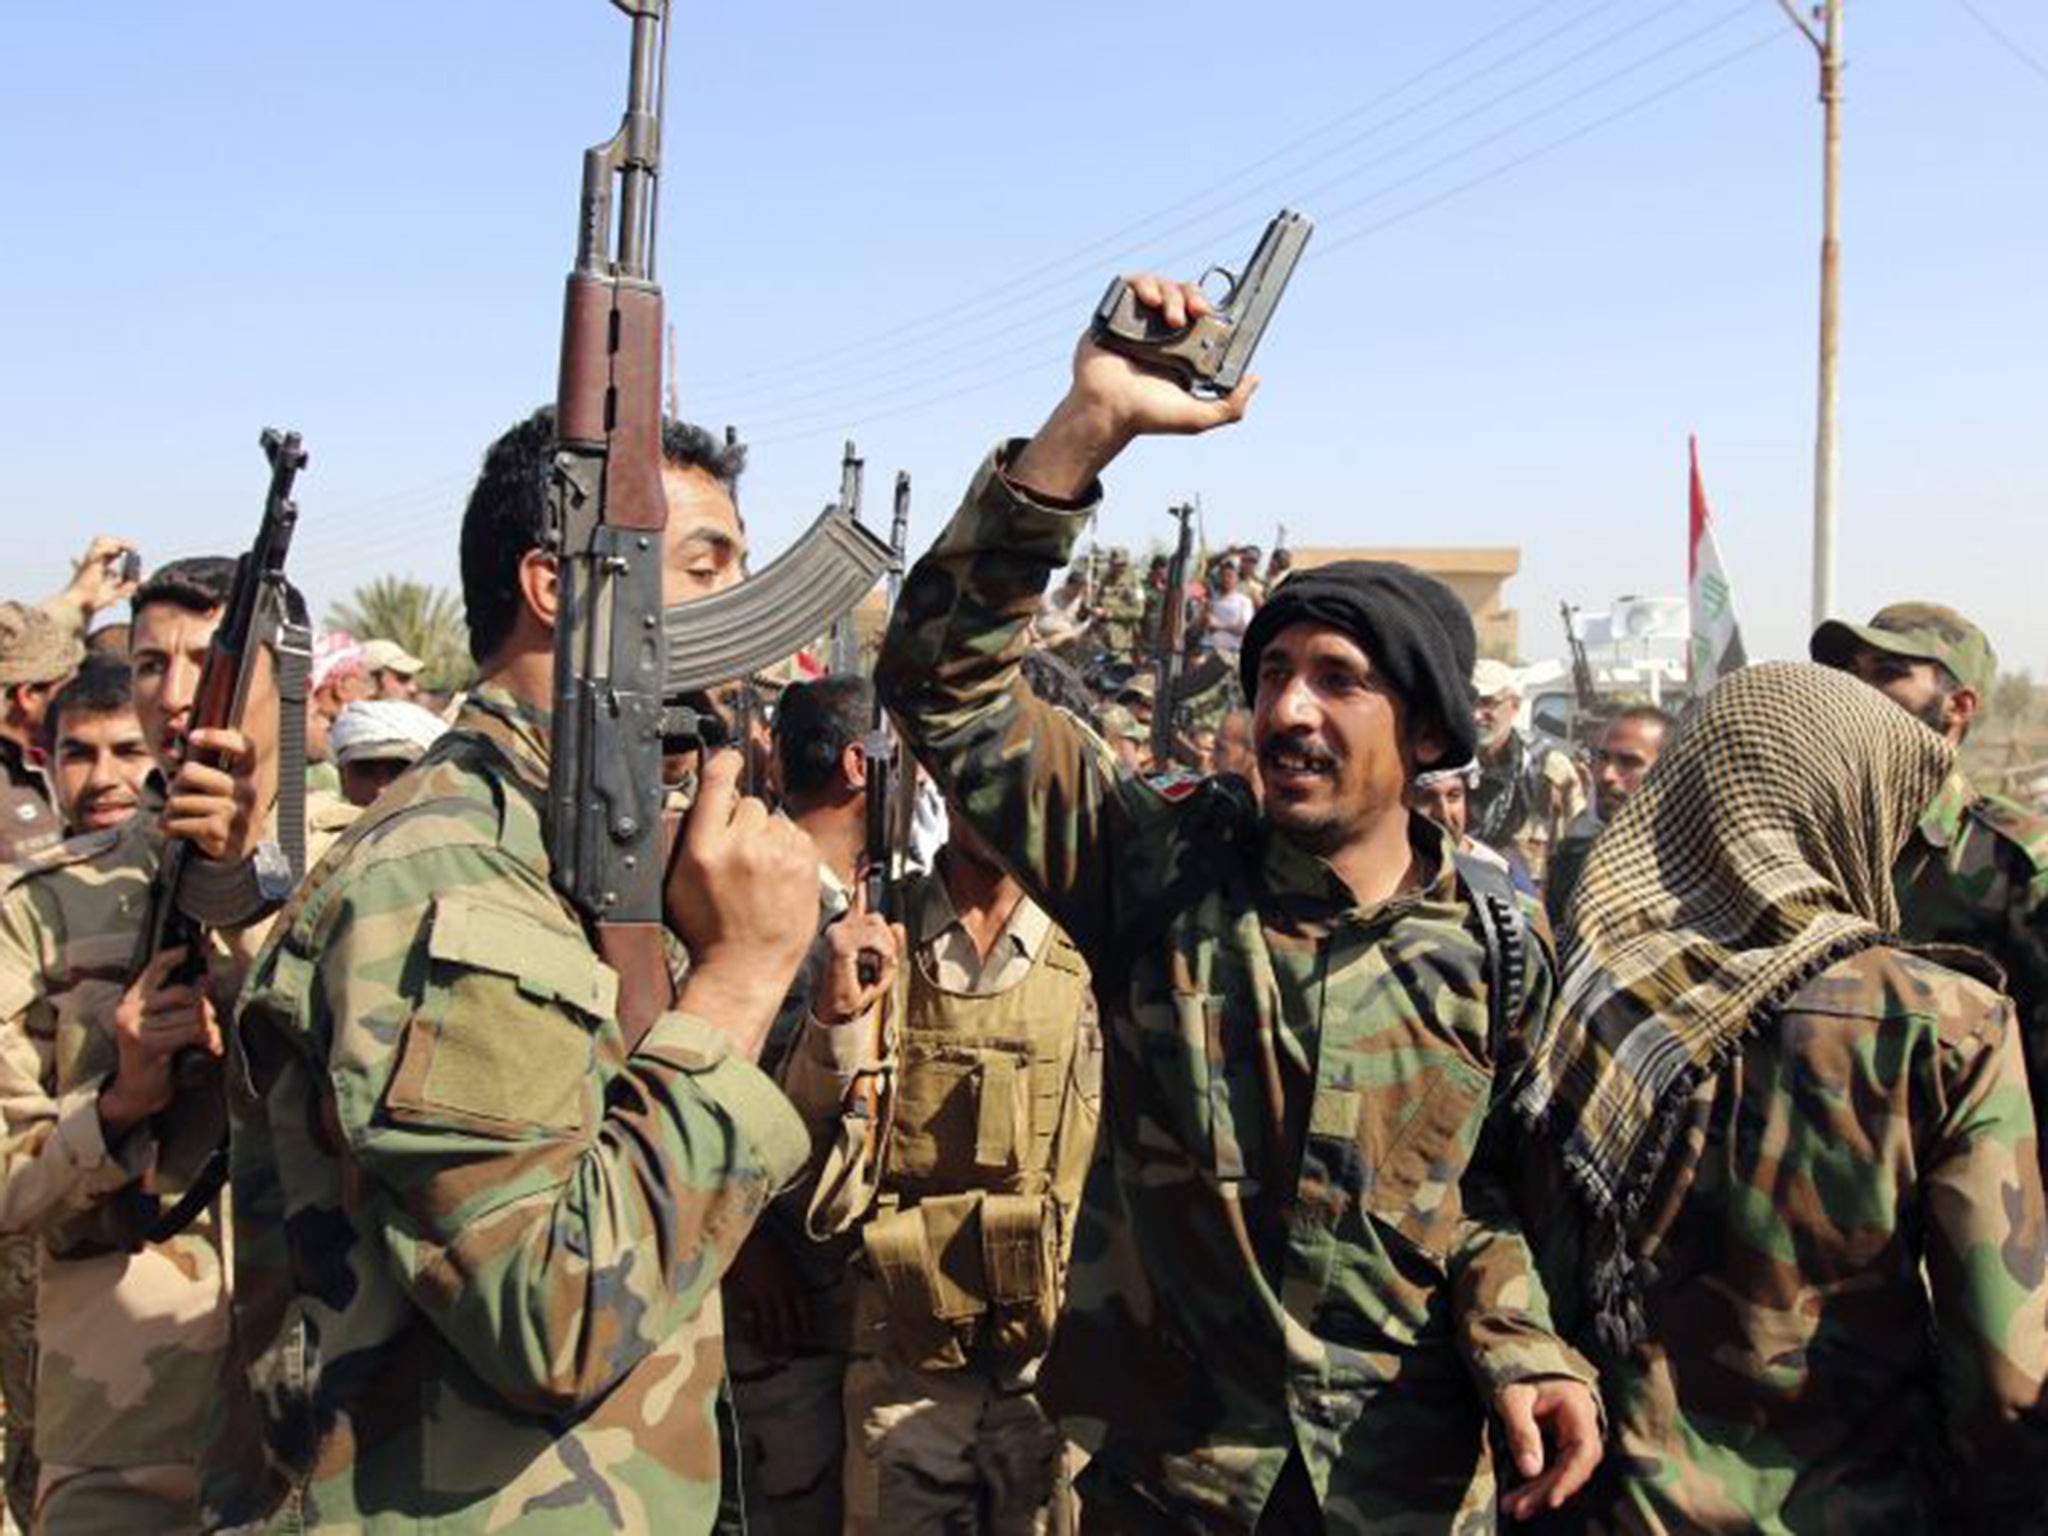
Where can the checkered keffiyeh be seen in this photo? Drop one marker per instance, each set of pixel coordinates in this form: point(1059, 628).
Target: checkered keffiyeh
point(1756, 854)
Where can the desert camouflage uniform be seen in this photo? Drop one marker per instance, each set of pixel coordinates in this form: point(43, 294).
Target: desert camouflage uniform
point(1296, 1281)
point(1976, 873)
point(130, 1334)
point(477, 1244)
point(28, 817)
point(1847, 1328)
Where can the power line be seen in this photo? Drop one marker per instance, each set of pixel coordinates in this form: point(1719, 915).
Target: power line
point(1325, 249)
point(911, 328)
point(775, 411)
point(2004, 39)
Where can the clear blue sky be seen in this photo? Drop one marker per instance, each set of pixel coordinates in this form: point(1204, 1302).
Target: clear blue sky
point(887, 220)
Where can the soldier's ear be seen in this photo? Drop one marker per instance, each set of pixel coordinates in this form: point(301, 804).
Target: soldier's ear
point(1959, 712)
point(537, 585)
point(853, 765)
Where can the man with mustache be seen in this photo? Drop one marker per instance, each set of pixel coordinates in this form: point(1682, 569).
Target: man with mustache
point(100, 768)
point(131, 1331)
point(1299, 1296)
point(1975, 870)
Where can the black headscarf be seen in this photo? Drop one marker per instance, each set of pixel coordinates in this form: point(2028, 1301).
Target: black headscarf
point(1417, 633)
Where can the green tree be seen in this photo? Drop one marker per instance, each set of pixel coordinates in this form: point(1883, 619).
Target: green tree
point(426, 620)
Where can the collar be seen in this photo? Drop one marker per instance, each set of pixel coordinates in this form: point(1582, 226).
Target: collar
point(1027, 928)
point(1943, 818)
point(518, 728)
point(1292, 871)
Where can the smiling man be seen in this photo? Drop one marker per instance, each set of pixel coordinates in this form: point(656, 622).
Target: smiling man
point(131, 1329)
point(100, 762)
point(1299, 1293)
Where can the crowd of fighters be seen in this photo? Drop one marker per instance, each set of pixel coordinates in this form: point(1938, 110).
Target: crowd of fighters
point(1359, 1116)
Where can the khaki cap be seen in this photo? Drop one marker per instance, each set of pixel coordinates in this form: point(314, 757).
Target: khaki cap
point(1917, 631)
point(389, 656)
point(1491, 679)
point(1119, 724)
point(35, 648)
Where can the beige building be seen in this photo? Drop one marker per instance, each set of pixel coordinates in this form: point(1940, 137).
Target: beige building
point(1478, 575)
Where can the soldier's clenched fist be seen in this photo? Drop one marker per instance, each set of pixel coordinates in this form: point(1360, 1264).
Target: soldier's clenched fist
point(742, 895)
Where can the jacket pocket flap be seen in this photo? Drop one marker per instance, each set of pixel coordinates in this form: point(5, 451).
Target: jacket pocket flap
point(546, 962)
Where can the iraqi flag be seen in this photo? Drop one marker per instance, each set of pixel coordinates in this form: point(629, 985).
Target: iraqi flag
point(1716, 637)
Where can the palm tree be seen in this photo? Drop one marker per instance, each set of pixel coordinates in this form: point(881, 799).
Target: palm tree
point(426, 620)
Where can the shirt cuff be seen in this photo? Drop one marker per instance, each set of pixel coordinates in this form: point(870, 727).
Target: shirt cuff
point(999, 514)
point(82, 1140)
point(844, 1050)
point(779, 1137)
point(1531, 1358)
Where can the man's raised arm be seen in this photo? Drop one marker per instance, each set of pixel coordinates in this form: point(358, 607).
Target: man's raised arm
point(1044, 793)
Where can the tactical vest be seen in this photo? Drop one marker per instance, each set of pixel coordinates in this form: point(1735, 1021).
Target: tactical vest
point(987, 1135)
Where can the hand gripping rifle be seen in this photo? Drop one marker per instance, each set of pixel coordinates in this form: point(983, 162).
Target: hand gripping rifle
point(1171, 658)
point(1208, 356)
point(622, 660)
point(262, 613)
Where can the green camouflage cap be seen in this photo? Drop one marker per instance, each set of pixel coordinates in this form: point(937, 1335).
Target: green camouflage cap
point(1918, 631)
point(1139, 685)
point(1119, 723)
point(35, 648)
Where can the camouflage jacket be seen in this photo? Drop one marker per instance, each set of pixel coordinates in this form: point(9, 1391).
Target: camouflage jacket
point(1976, 873)
point(1119, 613)
point(477, 1244)
point(28, 821)
point(1294, 1241)
point(131, 1342)
point(1848, 1325)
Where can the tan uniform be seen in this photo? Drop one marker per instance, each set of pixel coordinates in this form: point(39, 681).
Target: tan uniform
point(988, 1093)
point(131, 1334)
point(28, 816)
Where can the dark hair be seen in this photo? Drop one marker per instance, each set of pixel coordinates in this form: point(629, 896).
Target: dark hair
point(507, 515)
point(103, 685)
point(814, 724)
point(197, 585)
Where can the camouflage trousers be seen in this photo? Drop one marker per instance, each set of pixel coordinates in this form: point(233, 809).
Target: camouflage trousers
point(19, 1263)
point(792, 1439)
point(118, 1501)
point(949, 1452)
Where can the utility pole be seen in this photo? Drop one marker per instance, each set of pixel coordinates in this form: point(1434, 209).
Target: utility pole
point(1827, 43)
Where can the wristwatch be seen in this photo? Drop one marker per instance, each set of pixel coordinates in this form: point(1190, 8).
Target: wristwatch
point(273, 872)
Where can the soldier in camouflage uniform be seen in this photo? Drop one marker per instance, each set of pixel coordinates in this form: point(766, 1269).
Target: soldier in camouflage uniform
point(101, 765)
point(477, 1241)
point(1298, 1291)
point(1794, 1173)
point(1119, 608)
point(1975, 870)
point(36, 656)
point(130, 1330)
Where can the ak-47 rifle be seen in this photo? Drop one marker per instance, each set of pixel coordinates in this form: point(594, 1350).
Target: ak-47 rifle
point(891, 780)
point(1582, 669)
point(262, 613)
point(623, 662)
point(845, 630)
point(1171, 658)
point(1209, 355)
